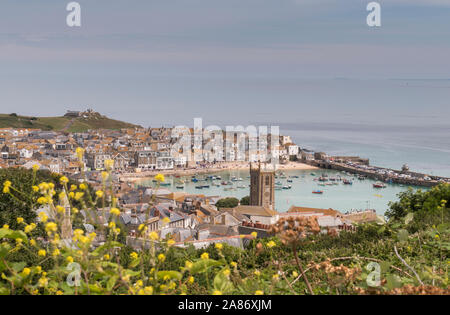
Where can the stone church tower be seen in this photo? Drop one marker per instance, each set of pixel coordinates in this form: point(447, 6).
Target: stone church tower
point(262, 185)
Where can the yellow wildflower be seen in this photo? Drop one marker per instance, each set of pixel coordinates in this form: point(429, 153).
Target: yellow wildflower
point(99, 193)
point(20, 220)
point(6, 226)
point(226, 272)
point(6, 185)
point(106, 257)
point(42, 253)
point(161, 257)
point(109, 164)
point(29, 228)
point(32, 242)
point(233, 264)
point(115, 211)
point(134, 255)
point(204, 256)
point(36, 167)
point(105, 176)
point(295, 274)
point(51, 227)
point(73, 187)
point(83, 186)
point(219, 246)
point(80, 153)
point(217, 292)
point(259, 292)
point(42, 200)
point(254, 234)
point(69, 259)
point(43, 216)
point(60, 209)
point(59, 292)
point(154, 236)
point(188, 264)
point(257, 273)
point(64, 180)
point(148, 290)
point(191, 279)
point(275, 277)
point(26, 272)
point(271, 244)
point(56, 252)
point(35, 188)
point(78, 196)
point(160, 178)
point(43, 282)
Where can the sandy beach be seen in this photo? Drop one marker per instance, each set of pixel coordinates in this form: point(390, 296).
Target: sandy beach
point(226, 166)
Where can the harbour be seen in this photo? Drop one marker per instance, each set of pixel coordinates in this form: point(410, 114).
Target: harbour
point(336, 194)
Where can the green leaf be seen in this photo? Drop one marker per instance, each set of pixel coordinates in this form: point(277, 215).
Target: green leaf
point(393, 281)
point(11, 234)
point(4, 291)
point(111, 282)
point(101, 249)
point(409, 217)
point(18, 266)
point(135, 262)
point(222, 283)
point(402, 235)
point(203, 265)
point(170, 274)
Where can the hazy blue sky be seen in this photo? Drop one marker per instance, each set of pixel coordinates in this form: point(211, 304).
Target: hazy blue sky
point(167, 61)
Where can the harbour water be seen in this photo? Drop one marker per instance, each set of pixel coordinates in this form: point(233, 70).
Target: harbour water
point(360, 195)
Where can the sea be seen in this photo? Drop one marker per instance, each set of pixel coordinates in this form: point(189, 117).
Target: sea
point(360, 195)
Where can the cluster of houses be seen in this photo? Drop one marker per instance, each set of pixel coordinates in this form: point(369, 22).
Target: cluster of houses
point(133, 150)
point(193, 219)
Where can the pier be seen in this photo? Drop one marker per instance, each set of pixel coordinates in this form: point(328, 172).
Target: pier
point(359, 166)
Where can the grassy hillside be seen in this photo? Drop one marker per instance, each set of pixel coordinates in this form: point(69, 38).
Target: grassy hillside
point(79, 124)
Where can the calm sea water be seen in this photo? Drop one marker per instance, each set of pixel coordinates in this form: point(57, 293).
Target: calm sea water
point(360, 195)
point(425, 148)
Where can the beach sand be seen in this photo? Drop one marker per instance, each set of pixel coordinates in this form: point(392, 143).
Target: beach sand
point(228, 166)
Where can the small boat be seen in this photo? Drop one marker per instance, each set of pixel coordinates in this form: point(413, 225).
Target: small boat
point(347, 182)
point(317, 192)
point(287, 187)
point(313, 174)
point(289, 180)
point(165, 184)
point(199, 187)
point(379, 185)
point(194, 180)
point(205, 186)
point(180, 187)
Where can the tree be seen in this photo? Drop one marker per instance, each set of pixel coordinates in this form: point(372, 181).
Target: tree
point(229, 202)
point(245, 201)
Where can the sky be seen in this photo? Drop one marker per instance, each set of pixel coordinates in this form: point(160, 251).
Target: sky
point(164, 62)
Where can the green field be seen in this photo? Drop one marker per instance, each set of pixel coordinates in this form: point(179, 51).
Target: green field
point(68, 124)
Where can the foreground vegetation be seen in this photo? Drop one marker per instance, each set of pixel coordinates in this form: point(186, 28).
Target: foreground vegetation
point(408, 255)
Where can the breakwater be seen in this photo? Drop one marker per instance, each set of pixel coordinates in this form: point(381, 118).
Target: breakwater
point(382, 174)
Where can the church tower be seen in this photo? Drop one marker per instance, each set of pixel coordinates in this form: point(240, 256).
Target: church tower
point(262, 185)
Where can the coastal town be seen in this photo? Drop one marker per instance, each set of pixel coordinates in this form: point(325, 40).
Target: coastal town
point(194, 219)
